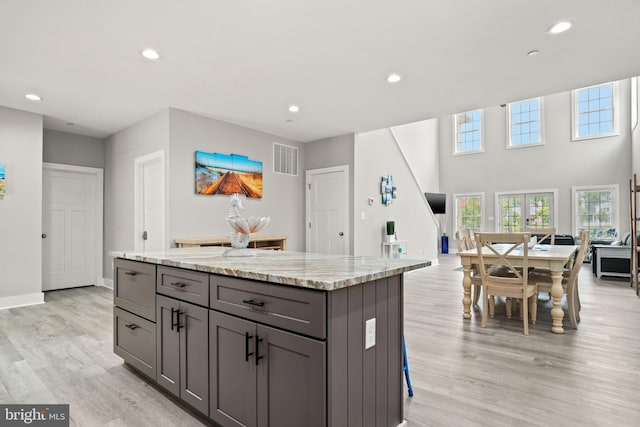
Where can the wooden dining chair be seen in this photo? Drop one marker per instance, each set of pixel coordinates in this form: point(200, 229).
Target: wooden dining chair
point(569, 281)
point(494, 250)
point(548, 235)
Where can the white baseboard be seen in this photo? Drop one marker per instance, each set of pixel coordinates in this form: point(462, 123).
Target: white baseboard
point(106, 283)
point(21, 300)
point(435, 261)
point(403, 423)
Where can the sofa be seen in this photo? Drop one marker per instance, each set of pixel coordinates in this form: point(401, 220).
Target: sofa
point(613, 259)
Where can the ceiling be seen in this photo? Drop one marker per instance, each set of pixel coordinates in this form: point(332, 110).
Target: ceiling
point(246, 61)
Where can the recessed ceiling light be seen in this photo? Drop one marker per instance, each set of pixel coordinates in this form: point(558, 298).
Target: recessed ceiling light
point(294, 108)
point(33, 97)
point(150, 54)
point(533, 53)
point(289, 120)
point(394, 78)
point(560, 27)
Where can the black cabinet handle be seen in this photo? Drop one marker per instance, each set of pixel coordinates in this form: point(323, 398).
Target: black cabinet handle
point(132, 326)
point(131, 273)
point(247, 338)
point(258, 341)
point(254, 303)
point(178, 325)
point(173, 322)
point(179, 285)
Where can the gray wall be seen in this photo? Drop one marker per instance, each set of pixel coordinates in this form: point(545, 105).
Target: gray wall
point(335, 151)
point(558, 164)
point(377, 155)
point(72, 149)
point(21, 208)
point(121, 149)
point(193, 215)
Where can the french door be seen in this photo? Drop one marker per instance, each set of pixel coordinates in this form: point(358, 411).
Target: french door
point(522, 211)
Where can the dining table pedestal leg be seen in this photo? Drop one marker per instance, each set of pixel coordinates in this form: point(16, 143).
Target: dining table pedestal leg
point(557, 314)
point(466, 299)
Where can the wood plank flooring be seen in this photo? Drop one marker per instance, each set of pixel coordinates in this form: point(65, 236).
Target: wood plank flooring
point(462, 374)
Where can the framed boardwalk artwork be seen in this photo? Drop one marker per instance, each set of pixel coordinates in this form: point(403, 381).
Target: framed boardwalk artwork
point(228, 174)
point(1, 179)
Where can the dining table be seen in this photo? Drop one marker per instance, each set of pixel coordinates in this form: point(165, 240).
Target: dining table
point(552, 257)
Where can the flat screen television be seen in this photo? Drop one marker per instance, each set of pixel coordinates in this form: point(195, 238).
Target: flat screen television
point(437, 202)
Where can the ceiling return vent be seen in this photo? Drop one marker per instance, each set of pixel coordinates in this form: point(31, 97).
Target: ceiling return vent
point(285, 159)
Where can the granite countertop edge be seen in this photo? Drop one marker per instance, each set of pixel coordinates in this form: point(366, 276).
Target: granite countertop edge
point(212, 260)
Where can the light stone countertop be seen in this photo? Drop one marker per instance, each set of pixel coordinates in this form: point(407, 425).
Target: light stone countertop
point(308, 270)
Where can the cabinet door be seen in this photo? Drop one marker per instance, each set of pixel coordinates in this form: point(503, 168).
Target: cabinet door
point(194, 356)
point(168, 342)
point(291, 379)
point(232, 370)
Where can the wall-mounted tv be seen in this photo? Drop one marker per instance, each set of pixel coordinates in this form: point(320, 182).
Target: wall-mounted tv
point(437, 202)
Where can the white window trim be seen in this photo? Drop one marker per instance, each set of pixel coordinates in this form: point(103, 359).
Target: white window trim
point(498, 210)
point(455, 134)
point(541, 121)
point(455, 204)
point(616, 113)
point(574, 203)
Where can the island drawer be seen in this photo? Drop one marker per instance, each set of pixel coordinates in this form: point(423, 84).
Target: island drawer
point(134, 339)
point(294, 309)
point(182, 284)
point(134, 287)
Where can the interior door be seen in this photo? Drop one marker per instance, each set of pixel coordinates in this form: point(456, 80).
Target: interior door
point(525, 211)
point(68, 229)
point(149, 202)
point(327, 211)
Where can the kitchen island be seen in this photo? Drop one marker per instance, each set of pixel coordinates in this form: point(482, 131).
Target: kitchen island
point(279, 339)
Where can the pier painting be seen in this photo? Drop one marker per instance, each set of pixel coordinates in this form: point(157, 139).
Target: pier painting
point(217, 173)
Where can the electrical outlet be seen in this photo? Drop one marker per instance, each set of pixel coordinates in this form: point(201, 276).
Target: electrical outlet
point(370, 333)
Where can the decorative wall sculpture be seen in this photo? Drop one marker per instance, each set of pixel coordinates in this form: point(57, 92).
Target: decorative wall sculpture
point(1, 179)
point(387, 189)
point(227, 174)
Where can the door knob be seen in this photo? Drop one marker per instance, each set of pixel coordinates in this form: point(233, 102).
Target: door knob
point(341, 234)
point(44, 236)
point(144, 235)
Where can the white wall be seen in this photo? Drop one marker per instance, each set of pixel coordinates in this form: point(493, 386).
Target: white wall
point(21, 208)
point(377, 155)
point(121, 149)
point(71, 149)
point(559, 164)
point(193, 215)
point(335, 151)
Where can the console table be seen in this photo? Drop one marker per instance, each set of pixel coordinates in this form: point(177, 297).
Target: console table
point(274, 241)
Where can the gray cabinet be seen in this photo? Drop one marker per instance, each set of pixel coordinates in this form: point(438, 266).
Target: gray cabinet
point(134, 329)
point(182, 351)
point(262, 376)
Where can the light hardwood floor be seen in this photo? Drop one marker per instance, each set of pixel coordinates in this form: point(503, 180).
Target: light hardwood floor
point(462, 374)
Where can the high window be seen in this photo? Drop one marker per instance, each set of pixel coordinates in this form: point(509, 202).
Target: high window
point(595, 111)
point(469, 211)
point(595, 208)
point(525, 123)
point(468, 132)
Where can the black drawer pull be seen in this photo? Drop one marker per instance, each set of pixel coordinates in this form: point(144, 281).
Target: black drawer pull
point(179, 285)
point(131, 273)
point(132, 326)
point(254, 303)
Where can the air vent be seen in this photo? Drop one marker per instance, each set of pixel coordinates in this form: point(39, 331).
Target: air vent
point(285, 159)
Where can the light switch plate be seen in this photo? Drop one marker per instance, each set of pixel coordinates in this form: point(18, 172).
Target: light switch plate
point(370, 333)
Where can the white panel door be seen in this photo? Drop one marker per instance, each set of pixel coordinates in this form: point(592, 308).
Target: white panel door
point(149, 194)
point(68, 229)
point(328, 209)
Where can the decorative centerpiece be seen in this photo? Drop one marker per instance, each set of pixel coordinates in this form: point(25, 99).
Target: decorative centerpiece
point(241, 229)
